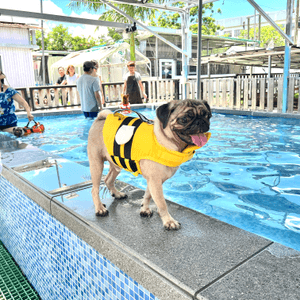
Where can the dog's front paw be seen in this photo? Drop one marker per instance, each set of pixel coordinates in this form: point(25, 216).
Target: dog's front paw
point(172, 225)
point(119, 195)
point(146, 213)
point(102, 212)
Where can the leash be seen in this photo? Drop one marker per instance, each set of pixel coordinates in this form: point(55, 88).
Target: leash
point(142, 117)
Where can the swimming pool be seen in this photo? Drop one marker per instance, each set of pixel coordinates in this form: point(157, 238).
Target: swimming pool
point(247, 174)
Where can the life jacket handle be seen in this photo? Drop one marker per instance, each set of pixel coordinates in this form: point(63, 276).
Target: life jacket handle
point(142, 117)
point(35, 123)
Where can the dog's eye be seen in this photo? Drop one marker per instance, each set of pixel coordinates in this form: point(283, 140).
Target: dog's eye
point(182, 120)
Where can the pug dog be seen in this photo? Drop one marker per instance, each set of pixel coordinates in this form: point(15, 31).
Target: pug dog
point(153, 150)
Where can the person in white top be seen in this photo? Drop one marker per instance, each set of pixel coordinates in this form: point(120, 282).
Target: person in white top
point(71, 75)
point(71, 79)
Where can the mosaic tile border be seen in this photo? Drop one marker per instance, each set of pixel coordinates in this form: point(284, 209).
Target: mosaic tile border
point(58, 263)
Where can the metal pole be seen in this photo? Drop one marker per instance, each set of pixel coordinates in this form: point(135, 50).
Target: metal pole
point(199, 50)
point(254, 26)
point(248, 28)
point(132, 47)
point(184, 75)
point(287, 57)
point(259, 27)
point(144, 27)
point(43, 46)
point(269, 65)
point(156, 58)
point(296, 22)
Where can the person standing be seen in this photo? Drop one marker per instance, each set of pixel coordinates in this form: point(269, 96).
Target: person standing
point(133, 85)
point(71, 79)
point(62, 80)
point(71, 75)
point(8, 118)
point(89, 91)
point(96, 67)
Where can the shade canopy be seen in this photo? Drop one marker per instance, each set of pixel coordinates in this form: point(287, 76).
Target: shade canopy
point(112, 61)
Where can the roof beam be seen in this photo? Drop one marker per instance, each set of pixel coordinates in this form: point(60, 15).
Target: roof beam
point(258, 8)
point(238, 57)
point(145, 27)
point(136, 3)
point(65, 19)
point(154, 5)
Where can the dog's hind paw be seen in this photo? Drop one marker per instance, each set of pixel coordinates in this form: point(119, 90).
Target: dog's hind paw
point(102, 213)
point(146, 213)
point(119, 196)
point(172, 225)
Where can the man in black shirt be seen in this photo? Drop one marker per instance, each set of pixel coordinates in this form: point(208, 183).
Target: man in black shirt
point(62, 80)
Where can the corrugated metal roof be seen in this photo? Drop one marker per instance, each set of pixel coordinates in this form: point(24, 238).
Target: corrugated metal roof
point(18, 25)
point(257, 58)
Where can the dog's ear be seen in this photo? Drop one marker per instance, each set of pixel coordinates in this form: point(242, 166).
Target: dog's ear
point(207, 106)
point(163, 114)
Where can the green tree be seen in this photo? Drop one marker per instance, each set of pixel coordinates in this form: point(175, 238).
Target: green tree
point(82, 43)
point(268, 35)
point(113, 34)
point(209, 26)
point(59, 39)
point(38, 35)
point(156, 17)
point(173, 20)
point(137, 12)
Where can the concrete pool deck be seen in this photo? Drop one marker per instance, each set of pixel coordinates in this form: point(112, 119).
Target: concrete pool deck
point(206, 259)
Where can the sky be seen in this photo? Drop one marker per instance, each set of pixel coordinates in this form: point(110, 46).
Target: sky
point(238, 8)
point(229, 8)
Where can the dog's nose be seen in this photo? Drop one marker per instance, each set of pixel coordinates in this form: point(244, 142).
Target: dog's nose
point(202, 124)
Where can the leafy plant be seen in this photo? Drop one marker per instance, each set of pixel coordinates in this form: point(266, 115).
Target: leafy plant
point(268, 34)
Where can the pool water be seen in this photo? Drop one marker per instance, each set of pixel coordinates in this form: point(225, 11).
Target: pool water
point(247, 175)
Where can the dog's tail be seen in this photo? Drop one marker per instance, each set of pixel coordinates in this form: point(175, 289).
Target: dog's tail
point(103, 114)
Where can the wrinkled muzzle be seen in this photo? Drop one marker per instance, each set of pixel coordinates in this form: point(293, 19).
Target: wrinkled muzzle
point(193, 133)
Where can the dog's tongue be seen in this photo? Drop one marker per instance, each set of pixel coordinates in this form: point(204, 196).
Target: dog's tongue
point(200, 139)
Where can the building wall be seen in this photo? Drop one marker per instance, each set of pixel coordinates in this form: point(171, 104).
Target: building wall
point(233, 26)
point(15, 36)
point(17, 65)
point(15, 56)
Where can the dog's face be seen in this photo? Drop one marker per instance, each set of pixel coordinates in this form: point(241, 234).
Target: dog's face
point(125, 99)
point(188, 119)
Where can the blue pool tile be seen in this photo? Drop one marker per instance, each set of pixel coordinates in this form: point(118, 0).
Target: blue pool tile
point(67, 267)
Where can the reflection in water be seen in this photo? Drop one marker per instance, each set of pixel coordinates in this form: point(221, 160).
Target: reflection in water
point(275, 203)
point(256, 213)
point(247, 175)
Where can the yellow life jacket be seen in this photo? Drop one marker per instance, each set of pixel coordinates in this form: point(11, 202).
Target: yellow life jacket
point(142, 144)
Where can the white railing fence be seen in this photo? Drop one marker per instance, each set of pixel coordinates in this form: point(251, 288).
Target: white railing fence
point(254, 94)
point(49, 97)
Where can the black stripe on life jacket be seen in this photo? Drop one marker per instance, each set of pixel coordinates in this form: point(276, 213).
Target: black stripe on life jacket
point(116, 150)
point(113, 159)
point(133, 165)
point(128, 145)
point(122, 164)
